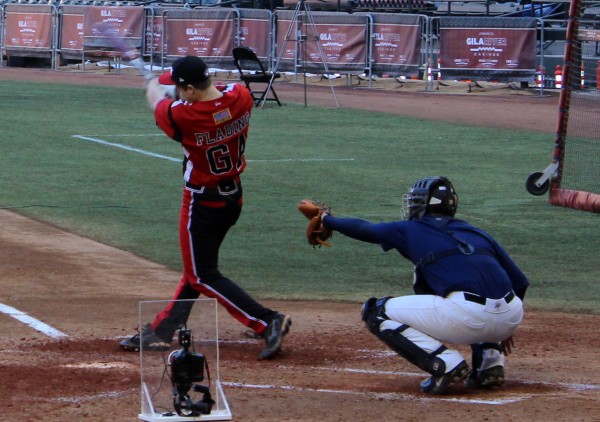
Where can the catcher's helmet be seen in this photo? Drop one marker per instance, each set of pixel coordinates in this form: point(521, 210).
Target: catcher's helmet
point(430, 195)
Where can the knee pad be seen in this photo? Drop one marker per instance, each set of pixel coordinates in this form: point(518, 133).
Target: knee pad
point(373, 313)
point(390, 332)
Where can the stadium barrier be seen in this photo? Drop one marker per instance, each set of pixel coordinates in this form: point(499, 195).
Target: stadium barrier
point(126, 22)
point(70, 45)
point(487, 48)
point(368, 43)
point(256, 32)
point(396, 44)
point(29, 30)
point(337, 41)
point(207, 33)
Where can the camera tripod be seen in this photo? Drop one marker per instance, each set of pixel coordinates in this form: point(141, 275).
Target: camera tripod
point(302, 16)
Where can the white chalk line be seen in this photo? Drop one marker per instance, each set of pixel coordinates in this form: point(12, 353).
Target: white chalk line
point(92, 397)
point(574, 387)
point(570, 386)
point(100, 365)
point(178, 160)
point(129, 135)
point(299, 160)
point(380, 396)
point(31, 322)
point(373, 353)
point(126, 147)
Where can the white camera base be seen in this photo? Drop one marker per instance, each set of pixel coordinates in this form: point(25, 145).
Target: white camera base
point(223, 414)
point(194, 349)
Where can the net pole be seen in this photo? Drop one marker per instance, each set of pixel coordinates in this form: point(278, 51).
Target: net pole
point(565, 92)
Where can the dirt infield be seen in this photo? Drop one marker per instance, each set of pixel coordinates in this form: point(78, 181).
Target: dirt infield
point(331, 368)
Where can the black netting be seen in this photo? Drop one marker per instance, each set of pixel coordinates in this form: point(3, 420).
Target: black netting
point(580, 170)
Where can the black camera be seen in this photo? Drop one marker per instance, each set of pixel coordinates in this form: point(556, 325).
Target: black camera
point(187, 367)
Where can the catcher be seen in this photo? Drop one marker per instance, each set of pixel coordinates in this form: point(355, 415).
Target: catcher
point(467, 288)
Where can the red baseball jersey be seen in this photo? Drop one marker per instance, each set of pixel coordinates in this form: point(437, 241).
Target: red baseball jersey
point(212, 133)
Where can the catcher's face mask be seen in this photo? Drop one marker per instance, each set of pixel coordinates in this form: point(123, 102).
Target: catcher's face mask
point(413, 207)
point(430, 195)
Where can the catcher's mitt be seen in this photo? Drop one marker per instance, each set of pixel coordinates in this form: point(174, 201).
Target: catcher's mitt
point(316, 233)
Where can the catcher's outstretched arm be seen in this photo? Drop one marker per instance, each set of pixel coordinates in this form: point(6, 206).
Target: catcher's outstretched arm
point(355, 228)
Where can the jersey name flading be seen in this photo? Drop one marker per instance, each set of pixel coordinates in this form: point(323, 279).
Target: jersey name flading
point(212, 133)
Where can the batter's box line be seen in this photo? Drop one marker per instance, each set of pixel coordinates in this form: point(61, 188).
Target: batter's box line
point(377, 396)
point(84, 399)
point(570, 386)
point(577, 387)
point(32, 322)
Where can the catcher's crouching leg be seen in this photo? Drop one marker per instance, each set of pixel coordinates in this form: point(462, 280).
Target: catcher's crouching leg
point(488, 366)
point(390, 332)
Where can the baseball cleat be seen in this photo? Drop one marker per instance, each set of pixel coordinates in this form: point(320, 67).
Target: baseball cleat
point(274, 334)
point(488, 378)
point(441, 385)
point(149, 341)
point(252, 335)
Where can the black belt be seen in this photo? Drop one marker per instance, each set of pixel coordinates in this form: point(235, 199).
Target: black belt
point(228, 187)
point(471, 297)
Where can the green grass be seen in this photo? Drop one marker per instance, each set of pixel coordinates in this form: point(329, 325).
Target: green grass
point(368, 160)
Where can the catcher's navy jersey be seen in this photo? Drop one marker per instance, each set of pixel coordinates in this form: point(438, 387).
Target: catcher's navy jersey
point(489, 272)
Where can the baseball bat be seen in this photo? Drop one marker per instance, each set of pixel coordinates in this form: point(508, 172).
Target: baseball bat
point(132, 55)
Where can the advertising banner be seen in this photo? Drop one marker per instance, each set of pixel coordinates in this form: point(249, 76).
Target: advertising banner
point(396, 44)
point(125, 22)
point(199, 37)
point(28, 30)
point(154, 35)
point(254, 33)
point(72, 31)
point(498, 49)
point(343, 45)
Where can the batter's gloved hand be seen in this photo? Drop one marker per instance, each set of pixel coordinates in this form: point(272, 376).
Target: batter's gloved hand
point(316, 232)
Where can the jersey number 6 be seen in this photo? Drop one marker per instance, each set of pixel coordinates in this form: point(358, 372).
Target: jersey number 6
point(220, 158)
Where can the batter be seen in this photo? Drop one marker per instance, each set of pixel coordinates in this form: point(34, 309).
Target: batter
point(211, 123)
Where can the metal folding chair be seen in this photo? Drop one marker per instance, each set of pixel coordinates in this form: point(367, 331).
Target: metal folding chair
point(252, 73)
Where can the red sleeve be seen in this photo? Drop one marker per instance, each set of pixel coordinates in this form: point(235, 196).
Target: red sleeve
point(163, 121)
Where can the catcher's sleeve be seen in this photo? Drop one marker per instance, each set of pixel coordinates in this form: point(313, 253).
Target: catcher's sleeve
point(355, 228)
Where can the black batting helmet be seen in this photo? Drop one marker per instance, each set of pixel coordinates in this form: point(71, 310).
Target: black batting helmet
point(430, 195)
